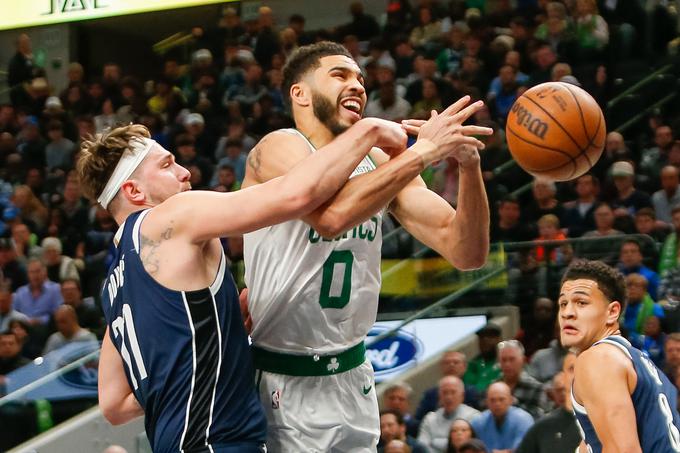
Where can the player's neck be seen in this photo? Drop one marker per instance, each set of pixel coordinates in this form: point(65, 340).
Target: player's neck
point(314, 130)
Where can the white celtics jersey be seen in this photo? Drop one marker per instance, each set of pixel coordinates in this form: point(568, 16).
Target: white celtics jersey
point(310, 295)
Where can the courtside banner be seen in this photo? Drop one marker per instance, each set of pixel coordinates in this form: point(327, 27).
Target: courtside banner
point(29, 13)
point(416, 342)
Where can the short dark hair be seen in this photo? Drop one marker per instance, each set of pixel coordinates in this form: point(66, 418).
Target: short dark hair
point(648, 212)
point(632, 241)
point(609, 280)
point(306, 58)
point(509, 199)
point(397, 415)
point(185, 140)
point(74, 281)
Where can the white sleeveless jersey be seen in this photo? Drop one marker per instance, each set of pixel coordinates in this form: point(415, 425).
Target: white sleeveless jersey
point(310, 295)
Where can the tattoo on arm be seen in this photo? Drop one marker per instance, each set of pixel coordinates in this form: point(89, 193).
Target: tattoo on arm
point(254, 160)
point(148, 249)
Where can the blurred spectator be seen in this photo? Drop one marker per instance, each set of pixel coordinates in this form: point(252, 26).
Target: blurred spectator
point(449, 59)
point(7, 311)
point(29, 338)
point(13, 274)
point(363, 26)
point(452, 363)
point(545, 59)
point(578, 216)
point(89, 315)
point(59, 267)
point(397, 446)
point(396, 398)
point(627, 199)
point(604, 228)
point(484, 369)
point(556, 432)
point(615, 150)
point(40, 298)
point(527, 391)
point(32, 210)
point(10, 353)
point(435, 427)
point(669, 251)
point(225, 179)
point(652, 342)
point(645, 223)
point(502, 100)
point(630, 262)
point(30, 144)
point(544, 201)
point(107, 119)
point(592, 31)
point(187, 156)
point(502, 426)
point(24, 243)
point(392, 427)
point(538, 325)
point(460, 433)
point(669, 195)
point(640, 305)
point(250, 92)
point(546, 362)
point(472, 446)
point(549, 230)
point(389, 105)
point(21, 66)
point(653, 159)
point(59, 150)
point(672, 355)
point(267, 43)
point(507, 227)
point(68, 330)
point(429, 100)
point(234, 157)
point(427, 30)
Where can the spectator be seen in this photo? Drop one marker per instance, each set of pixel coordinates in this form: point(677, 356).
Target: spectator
point(615, 150)
point(472, 446)
point(7, 311)
point(449, 59)
point(33, 212)
point(31, 340)
point(669, 251)
point(461, 432)
point(250, 92)
point(59, 267)
point(502, 426)
point(59, 150)
point(556, 432)
point(363, 26)
point(538, 325)
point(592, 31)
point(545, 59)
point(187, 156)
point(452, 363)
point(627, 199)
point(434, 430)
point(392, 427)
point(653, 340)
point(89, 315)
point(527, 391)
point(389, 105)
point(653, 159)
point(10, 354)
point(578, 216)
point(267, 43)
point(24, 242)
point(549, 230)
point(107, 119)
point(226, 180)
point(40, 298)
point(507, 227)
point(645, 223)
point(396, 398)
point(672, 355)
point(430, 100)
point(68, 330)
point(640, 305)
point(428, 29)
point(669, 195)
point(604, 228)
point(544, 201)
point(13, 273)
point(548, 361)
point(508, 91)
point(484, 369)
point(234, 158)
point(630, 261)
point(21, 67)
point(397, 446)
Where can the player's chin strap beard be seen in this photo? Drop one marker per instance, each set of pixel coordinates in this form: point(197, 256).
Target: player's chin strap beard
point(138, 149)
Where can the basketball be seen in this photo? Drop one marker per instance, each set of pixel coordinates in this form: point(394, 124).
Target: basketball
point(556, 130)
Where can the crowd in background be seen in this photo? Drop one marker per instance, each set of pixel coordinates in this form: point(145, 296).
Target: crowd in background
point(211, 108)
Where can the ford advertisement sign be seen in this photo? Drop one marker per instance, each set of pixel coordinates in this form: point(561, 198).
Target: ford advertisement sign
point(415, 342)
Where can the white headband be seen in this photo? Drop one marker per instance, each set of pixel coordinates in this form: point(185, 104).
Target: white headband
point(129, 161)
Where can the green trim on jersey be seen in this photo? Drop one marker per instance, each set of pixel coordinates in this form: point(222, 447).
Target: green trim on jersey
point(307, 365)
point(372, 161)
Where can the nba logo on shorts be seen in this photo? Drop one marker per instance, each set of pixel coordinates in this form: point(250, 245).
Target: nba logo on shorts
point(276, 398)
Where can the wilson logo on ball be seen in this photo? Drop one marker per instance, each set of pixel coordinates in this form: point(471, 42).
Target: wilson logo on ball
point(526, 119)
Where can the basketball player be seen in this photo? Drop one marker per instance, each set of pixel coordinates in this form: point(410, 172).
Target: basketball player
point(314, 282)
point(175, 349)
point(621, 400)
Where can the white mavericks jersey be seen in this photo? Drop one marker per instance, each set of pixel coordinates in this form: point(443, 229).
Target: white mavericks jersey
point(310, 295)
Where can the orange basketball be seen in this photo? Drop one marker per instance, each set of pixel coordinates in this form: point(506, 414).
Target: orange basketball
point(556, 130)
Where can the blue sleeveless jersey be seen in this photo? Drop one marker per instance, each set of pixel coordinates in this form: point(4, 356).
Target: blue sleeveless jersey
point(654, 399)
point(185, 354)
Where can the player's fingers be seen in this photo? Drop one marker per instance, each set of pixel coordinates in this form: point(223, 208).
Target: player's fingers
point(475, 130)
point(456, 106)
point(412, 122)
point(467, 112)
point(471, 141)
point(412, 130)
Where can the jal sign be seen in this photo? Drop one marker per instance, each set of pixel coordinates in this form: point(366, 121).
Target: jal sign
point(30, 13)
point(415, 342)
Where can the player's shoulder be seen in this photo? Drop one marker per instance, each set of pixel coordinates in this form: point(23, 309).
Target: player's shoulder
point(604, 357)
point(280, 140)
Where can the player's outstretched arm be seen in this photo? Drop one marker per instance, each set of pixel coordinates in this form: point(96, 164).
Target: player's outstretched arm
point(203, 215)
point(601, 382)
point(116, 400)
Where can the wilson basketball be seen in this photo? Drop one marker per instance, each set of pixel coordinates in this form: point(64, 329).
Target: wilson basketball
point(556, 131)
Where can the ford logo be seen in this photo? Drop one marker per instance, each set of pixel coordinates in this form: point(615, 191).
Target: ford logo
point(393, 354)
point(85, 376)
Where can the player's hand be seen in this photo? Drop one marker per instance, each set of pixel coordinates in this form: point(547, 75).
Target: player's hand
point(446, 131)
point(392, 138)
point(245, 313)
point(411, 126)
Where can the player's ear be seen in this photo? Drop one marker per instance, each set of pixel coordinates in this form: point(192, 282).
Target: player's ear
point(131, 191)
point(300, 94)
point(613, 312)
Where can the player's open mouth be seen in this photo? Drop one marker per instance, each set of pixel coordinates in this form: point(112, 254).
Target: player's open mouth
point(352, 105)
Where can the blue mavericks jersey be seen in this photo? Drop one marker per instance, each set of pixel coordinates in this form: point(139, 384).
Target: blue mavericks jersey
point(185, 354)
point(654, 399)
